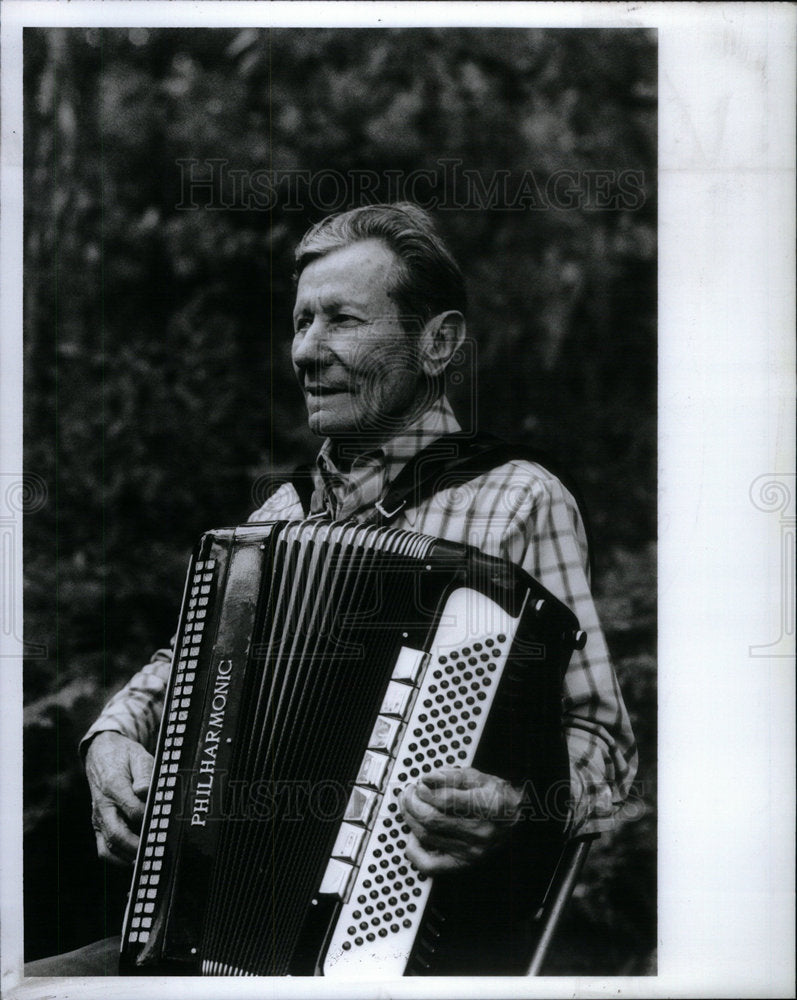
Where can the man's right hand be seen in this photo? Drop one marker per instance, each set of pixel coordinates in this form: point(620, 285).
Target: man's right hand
point(119, 771)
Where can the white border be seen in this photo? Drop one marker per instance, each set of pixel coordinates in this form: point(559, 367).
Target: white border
point(727, 208)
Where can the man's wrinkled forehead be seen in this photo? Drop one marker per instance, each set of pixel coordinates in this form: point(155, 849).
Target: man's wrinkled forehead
point(361, 273)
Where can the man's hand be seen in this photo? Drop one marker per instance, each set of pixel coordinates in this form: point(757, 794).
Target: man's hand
point(118, 770)
point(456, 816)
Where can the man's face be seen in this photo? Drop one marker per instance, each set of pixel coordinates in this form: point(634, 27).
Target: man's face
point(356, 364)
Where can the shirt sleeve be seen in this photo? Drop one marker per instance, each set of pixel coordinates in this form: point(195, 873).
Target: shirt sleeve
point(135, 711)
point(546, 537)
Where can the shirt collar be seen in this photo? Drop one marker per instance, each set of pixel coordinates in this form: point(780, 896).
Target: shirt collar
point(371, 472)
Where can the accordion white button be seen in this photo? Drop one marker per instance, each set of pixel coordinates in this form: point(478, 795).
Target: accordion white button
point(408, 664)
point(396, 699)
point(384, 735)
point(360, 806)
point(373, 769)
point(337, 878)
point(348, 842)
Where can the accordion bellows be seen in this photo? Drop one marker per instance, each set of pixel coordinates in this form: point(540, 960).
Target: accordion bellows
point(318, 669)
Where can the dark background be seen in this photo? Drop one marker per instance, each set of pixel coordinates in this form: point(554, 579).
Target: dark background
point(158, 387)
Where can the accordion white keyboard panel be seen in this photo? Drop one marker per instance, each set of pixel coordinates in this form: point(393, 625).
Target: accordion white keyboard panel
point(433, 716)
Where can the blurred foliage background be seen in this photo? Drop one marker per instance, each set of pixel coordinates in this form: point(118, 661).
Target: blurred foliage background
point(168, 175)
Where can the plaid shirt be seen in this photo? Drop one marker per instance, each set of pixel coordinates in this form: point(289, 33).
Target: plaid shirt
point(518, 512)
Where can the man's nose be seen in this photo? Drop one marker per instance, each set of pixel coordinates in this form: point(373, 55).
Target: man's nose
point(310, 347)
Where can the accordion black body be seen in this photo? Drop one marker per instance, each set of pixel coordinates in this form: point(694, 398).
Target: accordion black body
point(318, 669)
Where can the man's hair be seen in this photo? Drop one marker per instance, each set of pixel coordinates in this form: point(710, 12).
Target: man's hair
point(429, 280)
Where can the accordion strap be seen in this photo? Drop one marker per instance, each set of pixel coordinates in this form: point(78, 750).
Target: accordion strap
point(445, 463)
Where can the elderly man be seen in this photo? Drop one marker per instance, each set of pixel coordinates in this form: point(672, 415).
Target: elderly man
point(379, 314)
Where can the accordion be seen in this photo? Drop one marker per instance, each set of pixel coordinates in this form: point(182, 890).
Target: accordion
point(318, 669)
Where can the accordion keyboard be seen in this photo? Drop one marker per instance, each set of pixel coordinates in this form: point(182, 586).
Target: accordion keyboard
point(385, 895)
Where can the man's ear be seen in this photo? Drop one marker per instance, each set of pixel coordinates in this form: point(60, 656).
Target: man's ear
point(439, 339)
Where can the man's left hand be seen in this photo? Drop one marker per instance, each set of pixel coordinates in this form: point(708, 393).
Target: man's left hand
point(457, 816)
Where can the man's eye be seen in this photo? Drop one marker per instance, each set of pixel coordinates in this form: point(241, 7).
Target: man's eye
point(301, 324)
point(344, 319)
